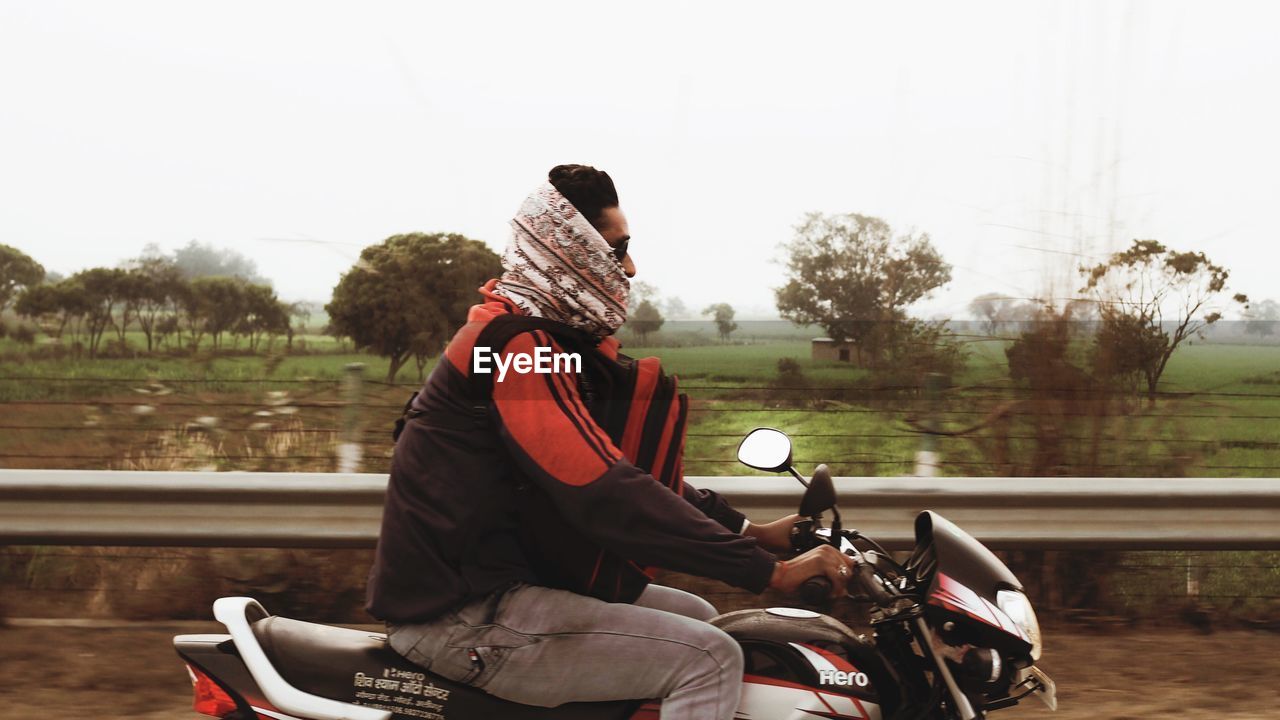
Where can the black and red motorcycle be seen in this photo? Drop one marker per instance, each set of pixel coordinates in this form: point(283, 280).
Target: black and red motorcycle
point(954, 637)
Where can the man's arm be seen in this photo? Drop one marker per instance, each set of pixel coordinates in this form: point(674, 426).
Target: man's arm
point(774, 536)
point(714, 506)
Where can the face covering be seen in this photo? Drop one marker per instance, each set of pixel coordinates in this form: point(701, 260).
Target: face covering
point(557, 266)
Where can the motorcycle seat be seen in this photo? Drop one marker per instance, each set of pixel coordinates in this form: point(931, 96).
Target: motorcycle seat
point(305, 653)
point(360, 667)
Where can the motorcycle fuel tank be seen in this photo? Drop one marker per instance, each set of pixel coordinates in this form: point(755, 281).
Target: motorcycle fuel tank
point(799, 663)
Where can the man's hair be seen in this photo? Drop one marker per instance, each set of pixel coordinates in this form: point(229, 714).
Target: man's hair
point(590, 190)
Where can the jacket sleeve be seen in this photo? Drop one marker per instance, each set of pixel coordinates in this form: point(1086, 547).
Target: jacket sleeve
point(713, 505)
point(555, 442)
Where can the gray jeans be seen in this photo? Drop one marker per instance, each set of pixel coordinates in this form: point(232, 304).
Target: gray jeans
point(539, 646)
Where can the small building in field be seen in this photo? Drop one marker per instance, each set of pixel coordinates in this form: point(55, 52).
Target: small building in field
point(828, 349)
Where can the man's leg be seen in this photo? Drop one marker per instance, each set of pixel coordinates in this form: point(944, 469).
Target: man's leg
point(540, 646)
point(661, 597)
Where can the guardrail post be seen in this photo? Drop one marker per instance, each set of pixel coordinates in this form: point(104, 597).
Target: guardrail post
point(1196, 575)
point(350, 452)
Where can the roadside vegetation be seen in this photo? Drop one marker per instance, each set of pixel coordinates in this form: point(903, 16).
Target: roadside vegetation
point(188, 361)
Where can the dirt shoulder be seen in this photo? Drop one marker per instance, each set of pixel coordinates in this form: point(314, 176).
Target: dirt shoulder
point(62, 672)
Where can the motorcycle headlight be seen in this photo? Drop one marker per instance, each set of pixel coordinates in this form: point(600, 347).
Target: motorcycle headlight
point(1018, 608)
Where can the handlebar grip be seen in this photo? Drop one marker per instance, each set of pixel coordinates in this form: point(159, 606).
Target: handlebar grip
point(816, 590)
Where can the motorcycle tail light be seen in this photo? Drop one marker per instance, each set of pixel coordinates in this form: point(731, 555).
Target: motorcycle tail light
point(210, 698)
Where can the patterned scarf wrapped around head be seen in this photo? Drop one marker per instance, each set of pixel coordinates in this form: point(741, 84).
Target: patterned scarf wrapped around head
point(558, 266)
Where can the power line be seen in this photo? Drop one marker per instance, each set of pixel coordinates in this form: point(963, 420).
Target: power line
point(161, 381)
point(1228, 443)
point(855, 411)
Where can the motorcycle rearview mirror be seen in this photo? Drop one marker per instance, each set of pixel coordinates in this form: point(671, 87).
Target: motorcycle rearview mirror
point(765, 449)
point(769, 450)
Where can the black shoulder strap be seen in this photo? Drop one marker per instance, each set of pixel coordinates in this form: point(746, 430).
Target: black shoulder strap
point(405, 416)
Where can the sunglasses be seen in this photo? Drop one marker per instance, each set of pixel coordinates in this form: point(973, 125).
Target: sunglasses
point(620, 250)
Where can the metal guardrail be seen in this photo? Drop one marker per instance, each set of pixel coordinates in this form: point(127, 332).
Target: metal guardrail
point(75, 507)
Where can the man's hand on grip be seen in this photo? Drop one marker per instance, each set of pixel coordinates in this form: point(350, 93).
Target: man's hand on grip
point(823, 560)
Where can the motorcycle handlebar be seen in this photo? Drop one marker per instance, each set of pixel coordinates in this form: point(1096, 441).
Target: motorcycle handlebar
point(816, 590)
point(871, 584)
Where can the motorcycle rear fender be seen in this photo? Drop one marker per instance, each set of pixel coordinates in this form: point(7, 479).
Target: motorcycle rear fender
point(216, 657)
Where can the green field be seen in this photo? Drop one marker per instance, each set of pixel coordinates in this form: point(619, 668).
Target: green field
point(1219, 416)
point(1232, 429)
point(64, 378)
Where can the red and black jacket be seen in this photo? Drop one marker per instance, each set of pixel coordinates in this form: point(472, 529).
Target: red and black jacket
point(564, 479)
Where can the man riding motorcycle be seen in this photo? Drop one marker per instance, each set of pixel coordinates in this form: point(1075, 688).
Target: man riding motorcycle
point(524, 507)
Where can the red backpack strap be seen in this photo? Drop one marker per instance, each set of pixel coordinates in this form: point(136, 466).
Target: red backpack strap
point(654, 434)
point(669, 468)
point(644, 373)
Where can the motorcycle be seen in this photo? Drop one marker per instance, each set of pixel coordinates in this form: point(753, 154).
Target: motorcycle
point(955, 637)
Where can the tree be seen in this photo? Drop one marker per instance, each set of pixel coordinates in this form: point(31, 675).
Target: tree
point(154, 284)
point(263, 315)
point(40, 304)
point(103, 289)
point(1022, 317)
point(849, 274)
point(722, 314)
point(189, 315)
point(301, 311)
point(994, 309)
point(407, 295)
point(918, 348)
point(674, 308)
point(643, 292)
point(1060, 413)
point(1152, 290)
point(166, 326)
point(1262, 319)
point(1126, 346)
point(646, 319)
point(17, 272)
point(211, 306)
point(222, 303)
point(55, 307)
point(197, 260)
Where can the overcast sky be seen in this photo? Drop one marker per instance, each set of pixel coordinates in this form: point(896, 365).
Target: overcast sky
point(1020, 136)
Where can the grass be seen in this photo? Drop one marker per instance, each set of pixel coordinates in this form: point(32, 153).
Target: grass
point(684, 333)
point(714, 437)
point(733, 363)
point(1204, 433)
point(64, 378)
point(1236, 584)
point(1212, 434)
